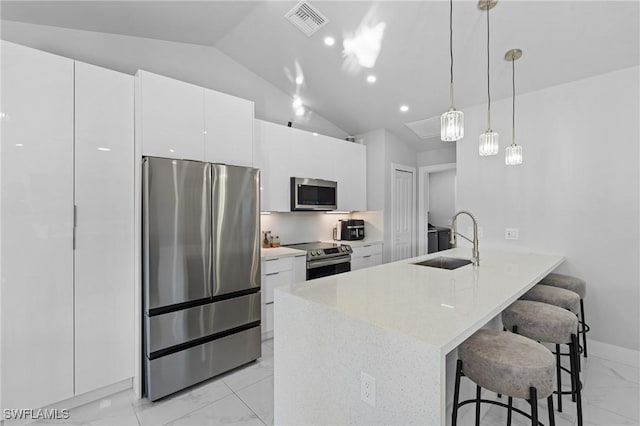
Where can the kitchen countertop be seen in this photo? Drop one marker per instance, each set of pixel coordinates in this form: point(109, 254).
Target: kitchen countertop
point(276, 252)
point(399, 324)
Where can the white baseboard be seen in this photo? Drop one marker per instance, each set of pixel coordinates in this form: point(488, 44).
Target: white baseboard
point(613, 353)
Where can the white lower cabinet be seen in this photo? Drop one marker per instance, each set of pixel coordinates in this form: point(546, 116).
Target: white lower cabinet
point(366, 256)
point(276, 272)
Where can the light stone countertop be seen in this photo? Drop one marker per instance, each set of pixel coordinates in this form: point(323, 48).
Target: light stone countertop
point(277, 252)
point(437, 306)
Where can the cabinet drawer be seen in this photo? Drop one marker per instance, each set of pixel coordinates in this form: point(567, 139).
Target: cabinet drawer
point(277, 265)
point(273, 280)
point(368, 250)
point(366, 261)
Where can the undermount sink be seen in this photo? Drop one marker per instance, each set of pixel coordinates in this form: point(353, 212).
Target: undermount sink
point(444, 262)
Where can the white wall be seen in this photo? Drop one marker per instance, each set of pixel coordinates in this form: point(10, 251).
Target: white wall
point(441, 197)
point(200, 65)
point(446, 154)
point(383, 149)
point(577, 192)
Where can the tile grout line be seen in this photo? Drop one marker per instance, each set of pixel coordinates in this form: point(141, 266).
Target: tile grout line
point(247, 405)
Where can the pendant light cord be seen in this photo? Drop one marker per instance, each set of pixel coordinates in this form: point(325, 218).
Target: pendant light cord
point(513, 104)
point(451, 52)
point(488, 78)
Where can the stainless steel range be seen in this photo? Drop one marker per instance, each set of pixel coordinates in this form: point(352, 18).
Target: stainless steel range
point(325, 259)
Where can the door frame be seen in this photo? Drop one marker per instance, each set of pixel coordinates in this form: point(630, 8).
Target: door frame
point(423, 199)
point(412, 170)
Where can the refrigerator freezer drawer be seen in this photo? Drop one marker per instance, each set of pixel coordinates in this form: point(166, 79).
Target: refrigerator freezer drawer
point(179, 370)
point(174, 328)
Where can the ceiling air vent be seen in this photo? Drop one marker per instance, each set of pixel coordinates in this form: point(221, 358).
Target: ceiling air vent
point(306, 17)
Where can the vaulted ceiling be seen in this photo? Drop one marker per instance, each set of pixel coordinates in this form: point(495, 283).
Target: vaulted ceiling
point(562, 41)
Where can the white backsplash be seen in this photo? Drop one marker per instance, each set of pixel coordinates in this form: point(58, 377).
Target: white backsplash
point(303, 227)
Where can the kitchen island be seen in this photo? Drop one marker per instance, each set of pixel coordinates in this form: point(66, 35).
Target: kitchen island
point(395, 323)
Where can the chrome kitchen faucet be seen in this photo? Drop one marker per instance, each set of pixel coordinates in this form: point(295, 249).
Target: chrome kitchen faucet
point(475, 256)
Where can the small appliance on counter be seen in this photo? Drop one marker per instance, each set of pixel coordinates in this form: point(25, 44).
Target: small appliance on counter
point(350, 230)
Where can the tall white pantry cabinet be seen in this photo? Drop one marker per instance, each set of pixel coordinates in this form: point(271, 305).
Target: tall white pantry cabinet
point(66, 228)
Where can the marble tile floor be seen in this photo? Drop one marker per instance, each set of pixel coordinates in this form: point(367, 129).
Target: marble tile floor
point(245, 397)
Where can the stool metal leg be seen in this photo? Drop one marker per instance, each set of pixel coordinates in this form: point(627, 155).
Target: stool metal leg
point(456, 394)
point(534, 406)
point(584, 329)
point(559, 378)
point(552, 415)
point(573, 349)
point(574, 369)
point(478, 390)
point(509, 409)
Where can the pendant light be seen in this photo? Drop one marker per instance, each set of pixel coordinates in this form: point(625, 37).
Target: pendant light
point(513, 153)
point(452, 121)
point(489, 144)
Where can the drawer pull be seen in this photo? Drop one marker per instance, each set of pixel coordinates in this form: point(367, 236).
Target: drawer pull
point(269, 303)
point(273, 273)
point(271, 260)
point(368, 245)
point(369, 255)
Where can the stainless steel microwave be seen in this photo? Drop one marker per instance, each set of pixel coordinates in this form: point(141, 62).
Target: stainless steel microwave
point(313, 194)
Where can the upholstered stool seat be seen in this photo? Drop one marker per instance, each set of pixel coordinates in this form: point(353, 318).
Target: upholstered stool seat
point(578, 286)
point(550, 324)
point(560, 297)
point(567, 282)
point(508, 364)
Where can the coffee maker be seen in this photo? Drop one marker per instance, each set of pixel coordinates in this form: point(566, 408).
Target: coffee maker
point(350, 230)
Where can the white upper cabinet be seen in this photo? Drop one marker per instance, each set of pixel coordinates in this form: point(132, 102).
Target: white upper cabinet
point(282, 152)
point(104, 256)
point(228, 129)
point(37, 228)
point(273, 155)
point(172, 117)
point(351, 170)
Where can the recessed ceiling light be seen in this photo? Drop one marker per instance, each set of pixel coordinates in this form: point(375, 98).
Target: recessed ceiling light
point(329, 41)
point(299, 80)
point(300, 111)
point(404, 108)
point(315, 134)
point(19, 145)
point(371, 78)
point(297, 102)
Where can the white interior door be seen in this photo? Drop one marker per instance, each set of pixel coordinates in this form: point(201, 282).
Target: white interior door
point(402, 212)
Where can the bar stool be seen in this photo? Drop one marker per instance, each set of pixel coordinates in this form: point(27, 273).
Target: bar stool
point(509, 364)
point(555, 296)
point(579, 287)
point(551, 324)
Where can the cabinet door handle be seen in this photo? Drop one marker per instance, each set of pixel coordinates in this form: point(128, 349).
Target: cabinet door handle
point(269, 303)
point(271, 260)
point(369, 255)
point(273, 273)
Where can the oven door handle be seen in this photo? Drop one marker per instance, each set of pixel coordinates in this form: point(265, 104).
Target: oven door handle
point(328, 262)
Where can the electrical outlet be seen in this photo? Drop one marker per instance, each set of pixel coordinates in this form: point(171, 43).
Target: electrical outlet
point(368, 389)
point(511, 234)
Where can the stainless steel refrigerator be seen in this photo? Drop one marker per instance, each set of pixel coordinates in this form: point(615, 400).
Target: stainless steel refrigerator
point(201, 271)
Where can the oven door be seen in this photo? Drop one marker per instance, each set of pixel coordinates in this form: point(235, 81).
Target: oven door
point(323, 268)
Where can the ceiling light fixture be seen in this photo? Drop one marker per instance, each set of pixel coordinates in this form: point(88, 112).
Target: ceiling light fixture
point(371, 78)
point(329, 41)
point(404, 108)
point(513, 153)
point(299, 111)
point(297, 102)
point(452, 121)
point(489, 140)
point(299, 80)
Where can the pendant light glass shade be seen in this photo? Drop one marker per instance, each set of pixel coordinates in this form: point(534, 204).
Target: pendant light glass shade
point(452, 126)
point(452, 121)
point(489, 143)
point(513, 155)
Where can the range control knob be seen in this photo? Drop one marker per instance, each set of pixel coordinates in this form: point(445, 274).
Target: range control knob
point(312, 253)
